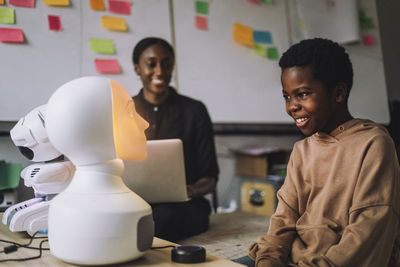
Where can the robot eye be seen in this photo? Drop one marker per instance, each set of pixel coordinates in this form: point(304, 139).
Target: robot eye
point(28, 153)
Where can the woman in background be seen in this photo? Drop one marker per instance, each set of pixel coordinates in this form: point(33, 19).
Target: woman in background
point(172, 115)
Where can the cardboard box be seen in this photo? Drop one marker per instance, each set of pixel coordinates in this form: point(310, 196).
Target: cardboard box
point(259, 196)
point(257, 162)
point(254, 166)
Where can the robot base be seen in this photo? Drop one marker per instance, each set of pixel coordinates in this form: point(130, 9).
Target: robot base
point(104, 223)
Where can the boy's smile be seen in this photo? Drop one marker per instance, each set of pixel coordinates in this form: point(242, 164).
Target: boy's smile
point(308, 101)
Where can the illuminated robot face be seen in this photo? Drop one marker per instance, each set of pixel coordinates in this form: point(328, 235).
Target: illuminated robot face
point(93, 120)
point(29, 135)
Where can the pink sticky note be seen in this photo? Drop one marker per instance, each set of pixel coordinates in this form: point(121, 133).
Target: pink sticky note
point(23, 3)
point(54, 23)
point(8, 35)
point(119, 7)
point(107, 66)
point(368, 40)
point(201, 23)
point(255, 1)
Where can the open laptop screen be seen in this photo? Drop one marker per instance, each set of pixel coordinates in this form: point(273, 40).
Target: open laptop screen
point(161, 176)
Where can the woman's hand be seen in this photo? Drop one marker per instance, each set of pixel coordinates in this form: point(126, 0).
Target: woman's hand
point(201, 187)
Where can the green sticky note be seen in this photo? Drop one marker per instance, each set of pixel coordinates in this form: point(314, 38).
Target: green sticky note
point(260, 50)
point(272, 53)
point(267, 1)
point(7, 15)
point(202, 7)
point(102, 46)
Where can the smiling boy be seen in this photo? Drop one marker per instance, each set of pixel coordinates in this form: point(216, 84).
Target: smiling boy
point(340, 203)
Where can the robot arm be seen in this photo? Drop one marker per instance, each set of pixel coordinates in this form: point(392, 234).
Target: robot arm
point(48, 178)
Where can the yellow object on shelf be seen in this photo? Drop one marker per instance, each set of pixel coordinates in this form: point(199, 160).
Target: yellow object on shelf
point(258, 198)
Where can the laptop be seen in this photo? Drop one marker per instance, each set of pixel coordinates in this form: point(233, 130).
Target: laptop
point(161, 176)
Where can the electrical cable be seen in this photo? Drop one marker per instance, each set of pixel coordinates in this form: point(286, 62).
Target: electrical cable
point(29, 258)
point(18, 245)
point(15, 246)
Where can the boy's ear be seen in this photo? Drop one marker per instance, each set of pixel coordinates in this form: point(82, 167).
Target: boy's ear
point(137, 69)
point(340, 92)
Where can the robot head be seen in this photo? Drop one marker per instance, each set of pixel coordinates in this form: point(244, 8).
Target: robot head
point(29, 135)
point(93, 119)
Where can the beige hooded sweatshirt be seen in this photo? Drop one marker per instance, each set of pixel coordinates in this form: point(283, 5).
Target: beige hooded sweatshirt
point(340, 203)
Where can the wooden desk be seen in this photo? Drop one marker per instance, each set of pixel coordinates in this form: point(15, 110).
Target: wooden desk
point(153, 257)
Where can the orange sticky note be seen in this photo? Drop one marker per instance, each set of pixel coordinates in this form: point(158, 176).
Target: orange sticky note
point(23, 3)
point(56, 2)
point(201, 23)
point(54, 23)
point(243, 34)
point(8, 35)
point(107, 66)
point(114, 23)
point(1, 2)
point(119, 7)
point(97, 5)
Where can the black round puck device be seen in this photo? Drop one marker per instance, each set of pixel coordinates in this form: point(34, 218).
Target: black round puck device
point(188, 254)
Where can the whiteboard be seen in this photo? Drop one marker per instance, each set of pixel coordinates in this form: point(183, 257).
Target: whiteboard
point(239, 86)
point(32, 71)
point(236, 84)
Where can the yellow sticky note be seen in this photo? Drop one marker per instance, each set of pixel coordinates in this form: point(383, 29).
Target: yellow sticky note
point(114, 23)
point(243, 34)
point(97, 5)
point(56, 2)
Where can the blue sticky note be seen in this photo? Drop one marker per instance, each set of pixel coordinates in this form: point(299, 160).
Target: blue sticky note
point(262, 37)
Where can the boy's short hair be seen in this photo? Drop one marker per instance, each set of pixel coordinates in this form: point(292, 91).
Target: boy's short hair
point(329, 61)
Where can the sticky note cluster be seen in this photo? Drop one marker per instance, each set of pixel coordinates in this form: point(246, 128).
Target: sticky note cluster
point(201, 18)
point(104, 46)
point(259, 41)
point(114, 6)
point(8, 16)
point(9, 35)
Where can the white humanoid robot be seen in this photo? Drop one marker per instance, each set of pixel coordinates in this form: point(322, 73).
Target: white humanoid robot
point(47, 178)
point(97, 219)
